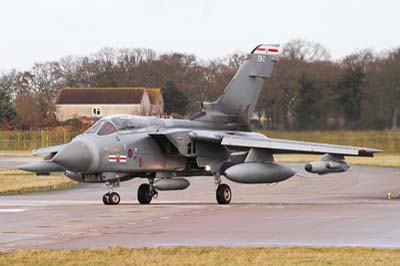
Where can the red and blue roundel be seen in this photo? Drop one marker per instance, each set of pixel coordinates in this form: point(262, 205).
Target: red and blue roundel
point(130, 153)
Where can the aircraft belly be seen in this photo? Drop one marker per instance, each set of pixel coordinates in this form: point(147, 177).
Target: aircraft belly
point(164, 163)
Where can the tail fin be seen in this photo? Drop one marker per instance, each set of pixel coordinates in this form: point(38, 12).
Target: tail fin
point(240, 97)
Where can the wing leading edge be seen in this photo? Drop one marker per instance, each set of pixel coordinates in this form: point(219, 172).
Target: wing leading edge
point(292, 146)
point(276, 146)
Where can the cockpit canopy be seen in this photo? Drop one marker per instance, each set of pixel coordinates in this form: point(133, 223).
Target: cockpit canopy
point(114, 123)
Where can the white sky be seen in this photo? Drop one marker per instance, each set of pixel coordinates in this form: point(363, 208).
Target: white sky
point(42, 30)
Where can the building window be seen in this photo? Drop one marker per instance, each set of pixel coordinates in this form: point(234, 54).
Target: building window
point(96, 111)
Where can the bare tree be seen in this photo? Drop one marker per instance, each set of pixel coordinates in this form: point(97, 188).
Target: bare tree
point(300, 49)
point(8, 83)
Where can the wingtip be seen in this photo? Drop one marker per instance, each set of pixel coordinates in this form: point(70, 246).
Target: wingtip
point(368, 152)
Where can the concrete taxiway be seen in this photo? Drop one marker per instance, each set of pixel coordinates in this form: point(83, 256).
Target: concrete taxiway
point(348, 209)
point(15, 161)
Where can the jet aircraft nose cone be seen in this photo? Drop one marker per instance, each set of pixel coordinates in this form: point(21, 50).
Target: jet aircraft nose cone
point(76, 157)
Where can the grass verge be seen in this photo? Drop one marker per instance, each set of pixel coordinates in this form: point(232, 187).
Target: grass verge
point(17, 181)
point(13, 153)
point(205, 256)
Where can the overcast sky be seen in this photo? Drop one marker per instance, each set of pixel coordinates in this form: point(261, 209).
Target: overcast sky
point(42, 30)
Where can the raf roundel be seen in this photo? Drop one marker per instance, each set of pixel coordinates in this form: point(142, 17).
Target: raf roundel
point(130, 153)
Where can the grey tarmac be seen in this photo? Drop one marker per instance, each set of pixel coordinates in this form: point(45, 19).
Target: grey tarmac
point(347, 209)
point(15, 161)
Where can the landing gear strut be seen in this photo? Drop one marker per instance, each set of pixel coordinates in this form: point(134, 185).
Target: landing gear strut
point(146, 192)
point(223, 192)
point(111, 198)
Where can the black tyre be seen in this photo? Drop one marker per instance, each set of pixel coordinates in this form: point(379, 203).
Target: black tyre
point(114, 198)
point(105, 199)
point(144, 194)
point(224, 194)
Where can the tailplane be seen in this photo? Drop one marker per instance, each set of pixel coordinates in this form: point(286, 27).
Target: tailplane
point(239, 99)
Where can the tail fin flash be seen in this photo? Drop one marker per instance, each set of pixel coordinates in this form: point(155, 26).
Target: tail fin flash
point(240, 97)
point(263, 57)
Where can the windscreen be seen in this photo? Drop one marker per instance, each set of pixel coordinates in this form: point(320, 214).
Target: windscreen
point(93, 129)
point(125, 122)
point(106, 129)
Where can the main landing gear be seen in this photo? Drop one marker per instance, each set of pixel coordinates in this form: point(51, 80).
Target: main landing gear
point(223, 192)
point(146, 192)
point(111, 198)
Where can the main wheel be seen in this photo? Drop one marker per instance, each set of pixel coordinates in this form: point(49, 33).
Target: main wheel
point(114, 198)
point(144, 194)
point(106, 199)
point(224, 194)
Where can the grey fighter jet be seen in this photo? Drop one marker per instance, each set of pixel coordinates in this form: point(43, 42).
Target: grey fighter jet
point(165, 152)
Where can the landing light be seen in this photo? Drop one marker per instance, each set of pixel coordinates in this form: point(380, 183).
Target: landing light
point(207, 168)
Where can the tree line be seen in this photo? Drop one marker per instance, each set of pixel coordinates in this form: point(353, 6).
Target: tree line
point(307, 90)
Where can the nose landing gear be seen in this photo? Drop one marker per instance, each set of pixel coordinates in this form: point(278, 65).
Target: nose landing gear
point(111, 198)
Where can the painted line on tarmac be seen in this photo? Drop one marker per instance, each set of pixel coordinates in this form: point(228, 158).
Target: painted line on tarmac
point(13, 210)
point(46, 202)
point(43, 203)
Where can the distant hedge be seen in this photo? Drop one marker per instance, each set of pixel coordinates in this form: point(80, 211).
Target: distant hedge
point(29, 140)
point(388, 140)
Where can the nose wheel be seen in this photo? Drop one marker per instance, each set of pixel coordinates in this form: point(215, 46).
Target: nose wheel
point(105, 199)
point(112, 198)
